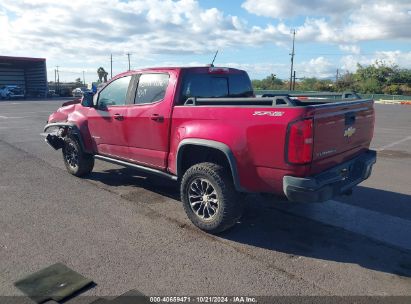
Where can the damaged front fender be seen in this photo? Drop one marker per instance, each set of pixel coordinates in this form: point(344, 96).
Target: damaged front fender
point(56, 140)
point(59, 125)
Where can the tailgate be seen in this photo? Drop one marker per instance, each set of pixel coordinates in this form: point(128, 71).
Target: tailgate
point(341, 131)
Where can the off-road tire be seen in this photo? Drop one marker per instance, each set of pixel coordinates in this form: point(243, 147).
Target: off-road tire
point(84, 162)
point(230, 202)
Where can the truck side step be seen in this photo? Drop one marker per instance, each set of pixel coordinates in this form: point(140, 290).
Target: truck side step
point(135, 166)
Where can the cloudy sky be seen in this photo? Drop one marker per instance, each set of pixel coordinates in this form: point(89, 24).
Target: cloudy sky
point(253, 35)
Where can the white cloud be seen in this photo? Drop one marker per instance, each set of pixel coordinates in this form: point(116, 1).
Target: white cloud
point(354, 49)
point(94, 29)
point(260, 70)
point(402, 59)
point(84, 34)
point(345, 21)
point(319, 67)
point(4, 25)
point(285, 9)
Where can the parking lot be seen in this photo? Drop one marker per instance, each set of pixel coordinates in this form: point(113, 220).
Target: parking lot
point(126, 230)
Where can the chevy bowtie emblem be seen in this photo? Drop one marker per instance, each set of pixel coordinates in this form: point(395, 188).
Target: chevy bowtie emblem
point(349, 132)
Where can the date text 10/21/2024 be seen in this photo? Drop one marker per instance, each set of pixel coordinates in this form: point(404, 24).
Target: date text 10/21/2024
point(204, 299)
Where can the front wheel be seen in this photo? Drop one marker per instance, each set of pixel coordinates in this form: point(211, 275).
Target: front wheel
point(76, 160)
point(209, 197)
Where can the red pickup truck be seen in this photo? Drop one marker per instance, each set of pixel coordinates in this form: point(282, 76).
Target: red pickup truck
point(203, 127)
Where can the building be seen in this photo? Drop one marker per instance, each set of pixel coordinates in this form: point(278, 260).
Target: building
point(29, 73)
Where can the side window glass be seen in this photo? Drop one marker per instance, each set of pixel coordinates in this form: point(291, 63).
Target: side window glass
point(115, 94)
point(151, 88)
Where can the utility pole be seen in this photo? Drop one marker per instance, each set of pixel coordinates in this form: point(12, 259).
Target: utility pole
point(337, 76)
point(294, 82)
point(55, 80)
point(58, 79)
point(128, 55)
point(84, 79)
point(111, 66)
point(292, 61)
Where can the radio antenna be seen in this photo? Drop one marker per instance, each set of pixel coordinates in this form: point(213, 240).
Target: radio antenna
point(212, 62)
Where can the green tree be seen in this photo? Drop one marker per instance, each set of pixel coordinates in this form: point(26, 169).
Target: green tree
point(371, 86)
point(307, 84)
point(346, 82)
point(78, 81)
point(314, 84)
point(269, 83)
point(375, 77)
point(393, 89)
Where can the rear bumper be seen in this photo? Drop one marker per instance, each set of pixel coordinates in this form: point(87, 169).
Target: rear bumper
point(335, 181)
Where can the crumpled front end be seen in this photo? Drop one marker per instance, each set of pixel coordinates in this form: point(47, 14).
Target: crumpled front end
point(56, 139)
point(60, 125)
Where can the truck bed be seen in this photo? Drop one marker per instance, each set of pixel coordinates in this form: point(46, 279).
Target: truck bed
point(274, 100)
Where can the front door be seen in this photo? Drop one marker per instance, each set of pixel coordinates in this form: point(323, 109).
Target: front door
point(106, 122)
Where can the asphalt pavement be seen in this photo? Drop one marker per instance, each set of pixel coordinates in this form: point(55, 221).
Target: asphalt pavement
point(126, 230)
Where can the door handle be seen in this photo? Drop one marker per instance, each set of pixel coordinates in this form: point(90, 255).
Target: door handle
point(118, 116)
point(157, 117)
point(349, 119)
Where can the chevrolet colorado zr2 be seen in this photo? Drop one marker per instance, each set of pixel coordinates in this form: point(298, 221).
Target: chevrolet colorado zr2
point(203, 127)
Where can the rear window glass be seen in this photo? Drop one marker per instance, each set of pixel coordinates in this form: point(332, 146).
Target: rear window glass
point(215, 85)
point(151, 88)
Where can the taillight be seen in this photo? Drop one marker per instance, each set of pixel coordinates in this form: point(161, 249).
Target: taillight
point(300, 142)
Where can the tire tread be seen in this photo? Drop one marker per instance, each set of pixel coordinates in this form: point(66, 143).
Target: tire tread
point(232, 202)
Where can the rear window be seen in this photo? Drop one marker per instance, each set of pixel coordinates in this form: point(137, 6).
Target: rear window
point(151, 88)
point(207, 85)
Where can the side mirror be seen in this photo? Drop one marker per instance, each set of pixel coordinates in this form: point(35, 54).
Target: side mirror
point(102, 106)
point(87, 100)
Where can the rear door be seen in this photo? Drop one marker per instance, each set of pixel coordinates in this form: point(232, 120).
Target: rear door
point(341, 131)
point(149, 117)
point(106, 122)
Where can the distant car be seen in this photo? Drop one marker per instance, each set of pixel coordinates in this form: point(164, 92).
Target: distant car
point(77, 92)
point(52, 93)
point(11, 92)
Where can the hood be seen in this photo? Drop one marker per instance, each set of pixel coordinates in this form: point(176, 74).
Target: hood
point(71, 102)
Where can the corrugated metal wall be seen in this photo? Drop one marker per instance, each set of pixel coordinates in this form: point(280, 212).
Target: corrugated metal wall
point(29, 74)
point(36, 79)
point(10, 76)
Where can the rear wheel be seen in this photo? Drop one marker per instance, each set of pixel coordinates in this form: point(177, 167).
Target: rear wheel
point(209, 197)
point(76, 160)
